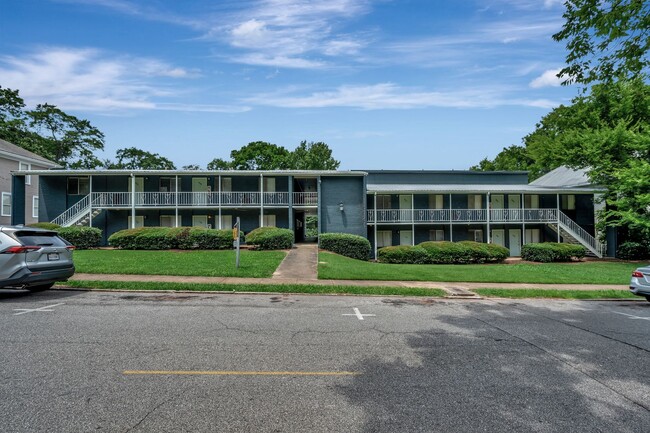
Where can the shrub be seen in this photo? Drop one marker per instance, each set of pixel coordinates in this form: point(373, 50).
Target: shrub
point(46, 226)
point(81, 237)
point(353, 246)
point(633, 251)
point(547, 252)
point(162, 238)
point(403, 254)
point(464, 252)
point(270, 238)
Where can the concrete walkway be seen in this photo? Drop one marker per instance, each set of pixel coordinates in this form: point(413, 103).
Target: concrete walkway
point(301, 263)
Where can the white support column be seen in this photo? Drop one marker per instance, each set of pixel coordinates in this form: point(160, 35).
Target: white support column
point(318, 208)
point(132, 201)
point(176, 202)
point(90, 201)
point(219, 201)
point(261, 200)
point(413, 219)
point(451, 225)
point(558, 218)
point(523, 220)
point(375, 208)
point(487, 206)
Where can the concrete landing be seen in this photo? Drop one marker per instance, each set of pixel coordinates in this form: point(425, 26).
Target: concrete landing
point(300, 264)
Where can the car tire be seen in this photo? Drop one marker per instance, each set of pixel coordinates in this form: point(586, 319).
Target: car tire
point(41, 287)
point(647, 297)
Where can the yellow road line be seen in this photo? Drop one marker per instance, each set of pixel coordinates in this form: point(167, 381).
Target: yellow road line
point(238, 373)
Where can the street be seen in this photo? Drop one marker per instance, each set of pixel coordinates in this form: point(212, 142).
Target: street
point(75, 361)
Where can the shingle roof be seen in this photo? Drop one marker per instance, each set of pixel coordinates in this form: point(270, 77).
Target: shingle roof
point(11, 150)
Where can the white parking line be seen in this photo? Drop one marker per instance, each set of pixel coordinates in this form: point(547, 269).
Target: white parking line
point(31, 310)
point(358, 314)
point(632, 316)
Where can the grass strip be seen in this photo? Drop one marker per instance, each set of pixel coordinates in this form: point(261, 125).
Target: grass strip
point(280, 288)
point(206, 263)
point(332, 266)
point(555, 294)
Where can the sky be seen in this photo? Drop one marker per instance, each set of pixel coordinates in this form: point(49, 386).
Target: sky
point(387, 84)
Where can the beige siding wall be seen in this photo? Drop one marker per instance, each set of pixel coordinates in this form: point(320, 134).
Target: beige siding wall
point(31, 191)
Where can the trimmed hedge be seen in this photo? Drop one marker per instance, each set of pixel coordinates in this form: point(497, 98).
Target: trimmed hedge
point(403, 254)
point(547, 252)
point(165, 238)
point(345, 244)
point(46, 226)
point(81, 237)
point(270, 238)
point(464, 252)
point(633, 251)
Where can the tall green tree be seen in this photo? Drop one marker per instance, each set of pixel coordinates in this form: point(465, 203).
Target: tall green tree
point(605, 40)
point(312, 156)
point(132, 158)
point(513, 158)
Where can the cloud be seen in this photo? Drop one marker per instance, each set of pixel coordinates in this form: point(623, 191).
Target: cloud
point(548, 79)
point(391, 96)
point(89, 79)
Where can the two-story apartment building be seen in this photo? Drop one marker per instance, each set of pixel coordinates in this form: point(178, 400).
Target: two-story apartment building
point(15, 158)
point(388, 207)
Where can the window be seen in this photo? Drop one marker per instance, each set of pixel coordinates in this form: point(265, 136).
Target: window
point(139, 221)
point(474, 201)
point(269, 220)
point(269, 184)
point(35, 206)
point(167, 184)
point(532, 236)
point(383, 202)
point(226, 221)
point(437, 235)
point(384, 238)
point(476, 235)
point(22, 166)
point(568, 202)
point(226, 184)
point(531, 201)
point(436, 201)
point(78, 185)
point(6, 204)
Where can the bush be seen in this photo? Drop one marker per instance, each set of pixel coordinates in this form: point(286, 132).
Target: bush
point(464, 252)
point(403, 254)
point(163, 238)
point(353, 246)
point(81, 237)
point(633, 251)
point(46, 226)
point(270, 238)
point(547, 252)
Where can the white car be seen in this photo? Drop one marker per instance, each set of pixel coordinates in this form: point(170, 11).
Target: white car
point(640, 282)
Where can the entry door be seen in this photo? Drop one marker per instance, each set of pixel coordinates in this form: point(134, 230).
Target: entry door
point(514, 237)
point(514, 207)
point(405, 207)
point(496, 201)
point(200, 221)
point(200, 190)
point(498, 237)
point(406, 237)
point(139, 189)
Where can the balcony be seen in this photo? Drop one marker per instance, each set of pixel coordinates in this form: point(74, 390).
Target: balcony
point(107, 200)
point(446, 216)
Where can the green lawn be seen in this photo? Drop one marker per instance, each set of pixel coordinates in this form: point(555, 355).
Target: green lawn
point(556, 294)
point(253, 264)
point(337, 267)
point(284, 288)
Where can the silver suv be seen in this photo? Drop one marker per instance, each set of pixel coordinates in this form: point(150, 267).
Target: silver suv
point(33, 258)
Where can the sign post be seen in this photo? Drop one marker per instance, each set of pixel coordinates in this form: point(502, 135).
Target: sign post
point(235, 236)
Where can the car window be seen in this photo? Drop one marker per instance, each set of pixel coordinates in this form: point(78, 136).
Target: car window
point(40, 239)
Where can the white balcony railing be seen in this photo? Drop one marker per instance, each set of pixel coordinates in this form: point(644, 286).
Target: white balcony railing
point(305, 198)
point(462, 215)
point(200, 199)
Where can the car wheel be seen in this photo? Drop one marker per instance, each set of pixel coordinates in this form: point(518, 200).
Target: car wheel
point(41, 287)
point(647, 297)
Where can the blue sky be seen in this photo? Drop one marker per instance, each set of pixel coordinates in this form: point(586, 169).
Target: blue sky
point(388, 84)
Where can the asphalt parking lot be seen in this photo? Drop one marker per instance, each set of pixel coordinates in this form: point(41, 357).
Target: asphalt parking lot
point(135, 362)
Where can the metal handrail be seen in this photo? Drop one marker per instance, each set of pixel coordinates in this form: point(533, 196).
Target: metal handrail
point(73, 212)
point(582, 235)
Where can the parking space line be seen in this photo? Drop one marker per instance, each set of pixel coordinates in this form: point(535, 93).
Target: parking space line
point(31, 310)
point(237, 373)
point(632, 316)
point(358, 314)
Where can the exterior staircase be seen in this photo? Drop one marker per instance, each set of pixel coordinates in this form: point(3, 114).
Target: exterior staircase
point(572, 233)
point(78, 214)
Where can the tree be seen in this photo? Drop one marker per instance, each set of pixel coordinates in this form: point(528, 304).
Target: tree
point(605, 40)
point(257, 155)
point(513, 158)
point(132, 158)
point(219, 164)
point(14, 122)
point(191, 167)
point(313, 156)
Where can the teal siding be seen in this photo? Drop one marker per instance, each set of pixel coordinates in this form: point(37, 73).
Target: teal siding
point(350, 192)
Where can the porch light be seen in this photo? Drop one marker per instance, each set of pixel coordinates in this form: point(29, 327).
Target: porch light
point(341, 206)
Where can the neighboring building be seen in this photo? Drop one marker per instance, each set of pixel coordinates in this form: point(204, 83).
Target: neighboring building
point(15, 158)
point(387, 207)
